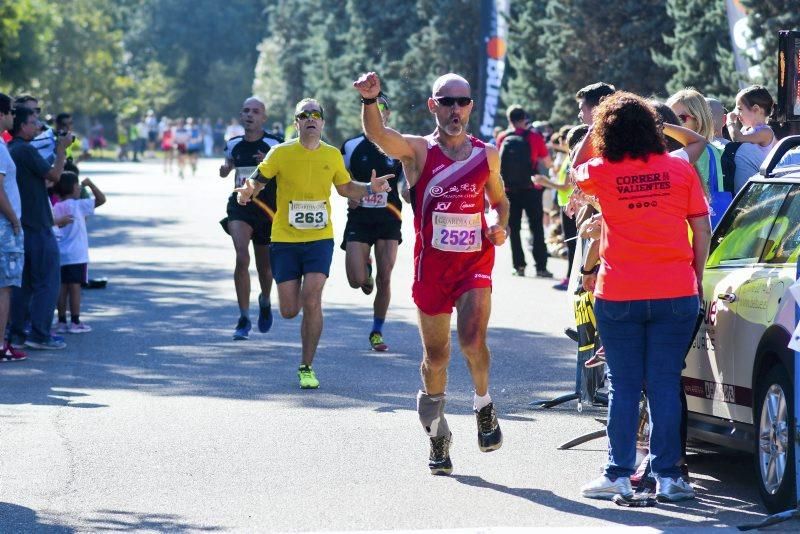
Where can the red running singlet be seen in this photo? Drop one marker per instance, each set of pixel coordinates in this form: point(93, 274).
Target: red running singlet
point(451, 253)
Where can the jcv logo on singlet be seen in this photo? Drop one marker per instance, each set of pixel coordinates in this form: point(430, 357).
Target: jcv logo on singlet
point(442, 205)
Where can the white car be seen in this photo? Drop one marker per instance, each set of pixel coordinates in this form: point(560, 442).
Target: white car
point(740, 371)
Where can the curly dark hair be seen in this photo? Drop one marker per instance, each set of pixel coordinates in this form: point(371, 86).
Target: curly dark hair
point(626, 125)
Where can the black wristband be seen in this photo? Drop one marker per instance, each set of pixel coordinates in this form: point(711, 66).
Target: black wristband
point(260, 179)
point(593, 270)
point(368, 101)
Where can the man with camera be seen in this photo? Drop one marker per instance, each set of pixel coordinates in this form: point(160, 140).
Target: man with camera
point(45, 140)
point(41, 277)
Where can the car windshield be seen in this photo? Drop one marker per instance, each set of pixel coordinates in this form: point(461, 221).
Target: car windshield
point(744, 231)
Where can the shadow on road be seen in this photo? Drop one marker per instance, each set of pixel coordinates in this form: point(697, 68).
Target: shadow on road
point(156, 330)
point(706, 507)
point(117, 521)
point(15, 518)
point(160, 330)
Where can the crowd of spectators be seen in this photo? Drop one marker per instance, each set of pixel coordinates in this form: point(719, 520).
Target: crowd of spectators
point(609, 209)
point(43, 237)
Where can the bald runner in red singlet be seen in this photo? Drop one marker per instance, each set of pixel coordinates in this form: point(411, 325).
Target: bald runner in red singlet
point(451, 175)
point(451, 254)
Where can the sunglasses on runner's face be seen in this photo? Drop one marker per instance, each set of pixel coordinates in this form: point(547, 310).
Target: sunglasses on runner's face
point(313, 114)
point(449, 101)
point(684, 118)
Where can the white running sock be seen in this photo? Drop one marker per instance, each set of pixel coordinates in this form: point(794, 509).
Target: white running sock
point(478, 403)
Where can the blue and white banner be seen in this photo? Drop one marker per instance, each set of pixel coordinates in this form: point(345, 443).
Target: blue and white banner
point(747, 51)
point(494, 28)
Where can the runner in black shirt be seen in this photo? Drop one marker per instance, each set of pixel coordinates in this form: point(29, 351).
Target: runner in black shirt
point(374, 222)
point(252, 222)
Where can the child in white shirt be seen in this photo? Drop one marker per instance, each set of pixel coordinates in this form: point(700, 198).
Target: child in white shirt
point(74, 247)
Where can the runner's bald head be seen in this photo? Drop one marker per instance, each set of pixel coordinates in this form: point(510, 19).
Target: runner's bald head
point(255, 101)
point(449, 79)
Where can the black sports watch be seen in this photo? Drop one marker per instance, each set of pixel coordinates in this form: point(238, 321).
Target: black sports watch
point(593, 270)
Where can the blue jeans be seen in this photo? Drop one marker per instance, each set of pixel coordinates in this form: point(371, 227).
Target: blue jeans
point(645, 343)
point(41, 281)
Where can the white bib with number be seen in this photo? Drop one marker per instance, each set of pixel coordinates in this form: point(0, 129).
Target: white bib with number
point(456, 232)
point(308, 214)
point(242, 174)
point(375, 200)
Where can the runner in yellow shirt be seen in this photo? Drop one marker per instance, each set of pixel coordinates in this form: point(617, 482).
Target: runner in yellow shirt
point(302, 235)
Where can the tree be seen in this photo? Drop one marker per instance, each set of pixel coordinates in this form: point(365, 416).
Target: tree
point(208, 47)
point(614, 44)
point(25, 31)
point(765, 19)
point(701, 54)
point(525, 83)
point(448, 40)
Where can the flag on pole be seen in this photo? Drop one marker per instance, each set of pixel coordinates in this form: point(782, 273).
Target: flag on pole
point(494, 28)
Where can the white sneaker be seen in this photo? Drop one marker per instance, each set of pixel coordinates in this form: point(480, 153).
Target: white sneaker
point(604, 488)
point(673, 489)
point(60, 328)
point(80, 328)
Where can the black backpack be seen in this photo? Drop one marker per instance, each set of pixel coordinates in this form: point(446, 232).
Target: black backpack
point(728, 161)
point(515, 160)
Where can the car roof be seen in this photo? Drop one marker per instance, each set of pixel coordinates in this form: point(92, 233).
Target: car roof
point(769, 167)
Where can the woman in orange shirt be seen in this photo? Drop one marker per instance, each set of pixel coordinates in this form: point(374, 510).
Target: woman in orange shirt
point(649, 284)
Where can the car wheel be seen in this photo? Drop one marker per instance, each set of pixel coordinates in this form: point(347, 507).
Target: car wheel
point(774, 457)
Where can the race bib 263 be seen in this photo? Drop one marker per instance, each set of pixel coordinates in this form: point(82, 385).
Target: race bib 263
point(308, 214)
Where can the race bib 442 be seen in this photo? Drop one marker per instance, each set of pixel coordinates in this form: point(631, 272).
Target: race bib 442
point(242, 174)
point(456, 232)
point(308, 214)
point(375, 200)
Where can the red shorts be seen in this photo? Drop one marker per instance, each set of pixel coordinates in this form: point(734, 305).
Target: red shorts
point(435, 298)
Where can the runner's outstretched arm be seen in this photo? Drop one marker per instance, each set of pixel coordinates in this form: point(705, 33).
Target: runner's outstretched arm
point(356, 190)
point(409, 149)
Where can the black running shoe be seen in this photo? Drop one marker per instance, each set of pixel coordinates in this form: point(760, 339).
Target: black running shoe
point(242, 331)
point(490, 437)
point(439, 459)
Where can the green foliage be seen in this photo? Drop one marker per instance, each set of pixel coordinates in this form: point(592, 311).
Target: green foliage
point(25, 32)
point(203, 57)
point(766, 18)
point(447, 40)
point(701, 54)
point(526, 83)
point(614, 44)
point(208, 47)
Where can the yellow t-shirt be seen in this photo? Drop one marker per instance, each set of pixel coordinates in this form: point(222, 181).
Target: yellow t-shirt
point(304, 178)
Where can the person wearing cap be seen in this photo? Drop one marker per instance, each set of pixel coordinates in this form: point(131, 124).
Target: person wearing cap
point(373, 222)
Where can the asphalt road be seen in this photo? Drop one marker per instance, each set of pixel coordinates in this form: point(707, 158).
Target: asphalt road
point(158, 421)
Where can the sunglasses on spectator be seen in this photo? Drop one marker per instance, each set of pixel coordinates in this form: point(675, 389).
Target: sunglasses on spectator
point(316, 115)
point(449, 101)
point(685, 118)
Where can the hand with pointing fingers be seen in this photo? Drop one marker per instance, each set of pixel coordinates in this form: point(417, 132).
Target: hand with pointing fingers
point(380, 184)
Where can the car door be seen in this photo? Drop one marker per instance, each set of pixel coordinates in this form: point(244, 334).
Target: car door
point(763, 299)
point(734, 308)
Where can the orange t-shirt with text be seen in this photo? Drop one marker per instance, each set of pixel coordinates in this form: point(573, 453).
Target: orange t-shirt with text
point(645, 204)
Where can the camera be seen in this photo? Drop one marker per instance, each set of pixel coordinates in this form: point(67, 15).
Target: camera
point(64, 133)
